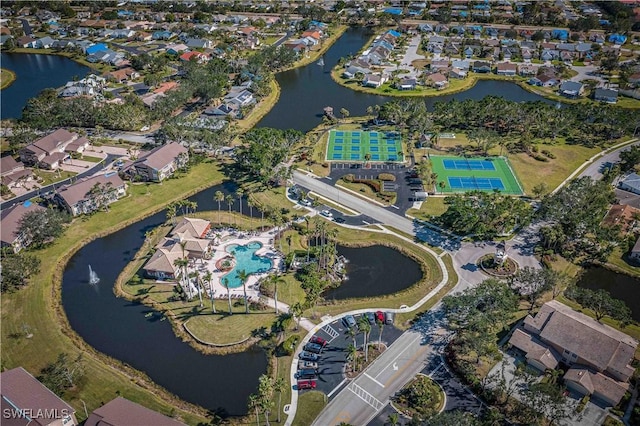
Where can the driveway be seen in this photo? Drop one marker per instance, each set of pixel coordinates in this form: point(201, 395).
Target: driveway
point(589, 72)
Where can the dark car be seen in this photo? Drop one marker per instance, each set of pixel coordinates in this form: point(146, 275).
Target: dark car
point(349, 321)
point(380, 316)
point(313, 348)
point(306, 384)
point(307, 373)
point(319, 340)
point(308, 356)
point(339, 220)
point(371, 317)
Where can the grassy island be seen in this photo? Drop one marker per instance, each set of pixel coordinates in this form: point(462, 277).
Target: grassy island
point(7, 77)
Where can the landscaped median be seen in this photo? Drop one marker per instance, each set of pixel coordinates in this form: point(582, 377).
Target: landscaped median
point(39, 305)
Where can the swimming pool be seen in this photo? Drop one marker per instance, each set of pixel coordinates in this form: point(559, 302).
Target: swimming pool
point(246, 258)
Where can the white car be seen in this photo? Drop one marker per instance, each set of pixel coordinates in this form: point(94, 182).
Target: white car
point(306, 202)
point(326, 213)
point(144, 128)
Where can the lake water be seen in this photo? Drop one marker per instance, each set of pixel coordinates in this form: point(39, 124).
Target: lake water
point(34, 73)
point(375, 271)
point(306, 91)
point(621, 286)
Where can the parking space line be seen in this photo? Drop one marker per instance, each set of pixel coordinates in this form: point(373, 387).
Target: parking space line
point(374, 380)
point(331, 332)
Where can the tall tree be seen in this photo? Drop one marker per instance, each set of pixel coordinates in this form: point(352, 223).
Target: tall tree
point(243, 276)
point(219, 198)
point(239, 194)
point(17, 268)
point(365, 327)
point(226, 284)
point(229, 199)
point(40, 227)
point(279, 385)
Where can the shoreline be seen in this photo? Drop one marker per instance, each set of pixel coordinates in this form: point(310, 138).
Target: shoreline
point(11, 77)
point(25, 50)
point(314, 55)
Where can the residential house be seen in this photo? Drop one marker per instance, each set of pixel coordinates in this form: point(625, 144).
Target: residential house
point(194, 56)
point(635, 251)
point(63, 44)
point(240, 96)
point(458, 73)
point(623, 215)
point(406, 84)
point(507, 69)
point(599, 356)
point(162, 35)
point(299, 46)
point(439, 64)
point(606, 95)
point(48, 151)
point(571, 89)
point(158, 164)
point(122, 75)
point(199, 43)
point(32, 402)
point(481, 67)
point(526, 70)
point(13, 172)
point(91, 85)
point(95, 48)
point(4, 38)
point(176, 48)
point(462, 64)
point(88, 195)
point(10, 225)
point(634, 79)
point(437, 80)
point(143, 36)
point(223, 110)
point(544, 80)
point(631, 183)
point(122, 412)
point(45, 43)
point(468, 52)
point(26, 41)
point(373, 80)
point(617, 39)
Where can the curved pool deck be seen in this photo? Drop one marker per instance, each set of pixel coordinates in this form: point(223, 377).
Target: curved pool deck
point(262, 246)
point(247, 259)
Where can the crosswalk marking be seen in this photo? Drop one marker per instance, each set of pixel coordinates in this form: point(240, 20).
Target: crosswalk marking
point(330, 331)
point(365, 396)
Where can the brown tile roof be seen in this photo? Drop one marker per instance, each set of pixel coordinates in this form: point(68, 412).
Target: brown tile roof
point(10, 220)
point(8, 164)
point(534, 348)
point(597, 383)
point(162, 155)
point(622, 215)
point(506, 66)
point(54, 140)
point(122, 412)
point(195, 228)
point(54, 158)
point(72, 194)
point(600, 345)
point(73, 146)
point(163, 259)
point(16, 176)
point(22, 391)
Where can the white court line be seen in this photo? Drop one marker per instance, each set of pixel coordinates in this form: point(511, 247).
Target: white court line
point(374, 380)
point(398, 356)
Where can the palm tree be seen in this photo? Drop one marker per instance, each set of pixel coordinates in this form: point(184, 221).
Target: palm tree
point(229, 200)
point(297, 310)
point(250, 204)
point(253, 403)
point(196, 275)
point(208, 277)
point(352, 332)
point(279, 386)
point(393, 419)
point(181, 263)
point(242, 276)
point(365, 327)
point(275, 279)
point(171, 213)
point(352, 354)
point(219, 197)
point(381, 327)
point(240, 193)
point(226, 284)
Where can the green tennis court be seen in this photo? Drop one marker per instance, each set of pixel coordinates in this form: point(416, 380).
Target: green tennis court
point(462, 174)
point(354, 145)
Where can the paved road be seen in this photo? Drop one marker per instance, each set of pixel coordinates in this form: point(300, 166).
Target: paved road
point(595, 169)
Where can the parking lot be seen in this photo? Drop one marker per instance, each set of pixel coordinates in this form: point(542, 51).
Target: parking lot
point(333, 357)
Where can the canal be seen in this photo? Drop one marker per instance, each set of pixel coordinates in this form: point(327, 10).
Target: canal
point(34, 73)
point(304, 92)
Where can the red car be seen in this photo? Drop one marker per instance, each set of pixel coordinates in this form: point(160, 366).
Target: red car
point(380, 316)
point(306, 384)
point(319, 340)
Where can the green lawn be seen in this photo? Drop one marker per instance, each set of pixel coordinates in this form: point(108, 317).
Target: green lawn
point(433, 206)
point(38, 305)
point(91, 159)
point(310, 404)
point(6, 78)
point(225, 329)
point(49, 177)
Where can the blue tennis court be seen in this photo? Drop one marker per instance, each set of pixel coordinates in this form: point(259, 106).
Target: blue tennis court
point(338, 140)
point(475, 183)
point(355, 156)
point(339, 133)
point(337, 156)
point(373, 149)
point(468, 165)
point(337, 148)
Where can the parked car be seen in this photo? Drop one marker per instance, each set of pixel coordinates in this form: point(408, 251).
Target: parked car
point(349, 321)
point(326, 213)
point(306, 384)
point(318, 340)
point(313, 348)
point(307, 373)
point(380, 316)
point(308, 356)
point(371, 317)
point(306, 202)
point(339, 220)
point(389, 317)
point(307, 364)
